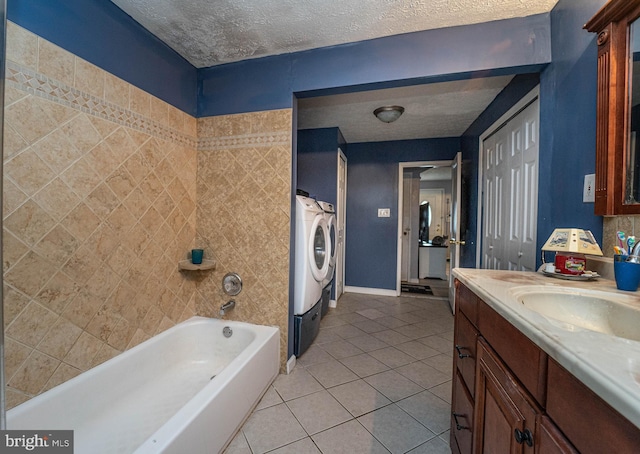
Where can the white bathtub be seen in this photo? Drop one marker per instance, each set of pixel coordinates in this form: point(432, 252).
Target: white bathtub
point(160, 397)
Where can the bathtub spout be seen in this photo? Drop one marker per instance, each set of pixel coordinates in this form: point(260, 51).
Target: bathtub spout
point(227, 306)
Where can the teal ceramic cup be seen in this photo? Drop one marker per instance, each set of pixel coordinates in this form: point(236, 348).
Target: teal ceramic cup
point(196, 256)
point(627, 275)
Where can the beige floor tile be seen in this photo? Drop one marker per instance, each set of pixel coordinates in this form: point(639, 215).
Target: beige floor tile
point(428, 409)
point(395, 429)
point(434, 446)
point(369, 326)
point(393, 385)
point(391, 337)
point(359, 397)
point(425, 376)
point(441, 362)
point(270, 398)
point(341, 349)
point(304, 446)
point(331, 373)
point(318, 411)
point(313, 355)
point(368, 343)
point(418, 350)
point(364, 365)
point(296, 384)
point(350, 438)
point(272, 428)
point(443, 391)
point(392, 357)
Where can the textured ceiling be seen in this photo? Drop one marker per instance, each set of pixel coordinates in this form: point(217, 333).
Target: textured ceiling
point(213, 32)
point(444, 109)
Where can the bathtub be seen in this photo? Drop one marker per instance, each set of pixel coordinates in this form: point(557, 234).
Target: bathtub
point(186, 390)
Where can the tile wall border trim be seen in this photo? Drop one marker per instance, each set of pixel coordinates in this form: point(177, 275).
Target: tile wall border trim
point(256, 140)
point(37, 84)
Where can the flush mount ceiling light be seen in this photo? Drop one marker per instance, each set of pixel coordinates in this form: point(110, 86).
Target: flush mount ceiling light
point(388, 114)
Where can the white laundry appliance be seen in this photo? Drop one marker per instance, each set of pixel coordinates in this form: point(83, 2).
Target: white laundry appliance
point(312, 256)
point(327, 284)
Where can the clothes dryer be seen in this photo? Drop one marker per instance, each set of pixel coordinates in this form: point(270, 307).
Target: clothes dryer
point(312, 264)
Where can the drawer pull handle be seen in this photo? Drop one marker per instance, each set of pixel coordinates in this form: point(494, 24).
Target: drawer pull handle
point(458, 425)
point(524, 437)
point(460, 354)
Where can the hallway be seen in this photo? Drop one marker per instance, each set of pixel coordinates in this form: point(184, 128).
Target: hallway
point(377, 379)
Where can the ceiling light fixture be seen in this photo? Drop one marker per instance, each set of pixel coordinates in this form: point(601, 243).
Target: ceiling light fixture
point(388, 114)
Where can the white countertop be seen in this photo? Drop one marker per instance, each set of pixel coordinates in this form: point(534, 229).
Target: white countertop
point(608, 365)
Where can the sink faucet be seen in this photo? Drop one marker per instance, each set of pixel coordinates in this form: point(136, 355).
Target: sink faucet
point(227, 306)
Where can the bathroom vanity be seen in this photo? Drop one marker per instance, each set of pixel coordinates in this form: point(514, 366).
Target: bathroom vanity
point(543, 365)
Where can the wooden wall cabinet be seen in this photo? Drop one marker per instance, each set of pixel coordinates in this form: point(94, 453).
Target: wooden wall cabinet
point(617, 187)
point(518, 400)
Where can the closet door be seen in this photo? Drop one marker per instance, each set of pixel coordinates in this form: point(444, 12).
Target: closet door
point(510, 157)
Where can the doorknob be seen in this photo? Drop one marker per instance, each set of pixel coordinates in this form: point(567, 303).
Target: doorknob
point(454, 241)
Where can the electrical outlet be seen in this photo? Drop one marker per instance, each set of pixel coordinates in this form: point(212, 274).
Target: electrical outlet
point(589, 191)
point(384, 212)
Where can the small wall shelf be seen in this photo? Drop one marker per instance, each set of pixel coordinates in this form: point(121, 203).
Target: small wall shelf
point(186, 265)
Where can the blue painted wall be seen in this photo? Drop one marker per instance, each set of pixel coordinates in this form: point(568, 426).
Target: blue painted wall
point(568, 121)
point(372, 183)
point(507, 46)
point(101, 33)
point(318, 162)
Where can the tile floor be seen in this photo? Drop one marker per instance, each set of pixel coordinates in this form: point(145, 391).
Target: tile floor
point(377, 379)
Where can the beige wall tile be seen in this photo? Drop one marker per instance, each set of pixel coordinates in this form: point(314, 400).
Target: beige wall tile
point(95, 235)
point(55, 62)
point(22, 46)
point(116, 91)
point(89, 78)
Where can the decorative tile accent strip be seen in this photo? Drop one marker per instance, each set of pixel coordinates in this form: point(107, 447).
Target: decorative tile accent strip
point(266, 139)
point(42, 86)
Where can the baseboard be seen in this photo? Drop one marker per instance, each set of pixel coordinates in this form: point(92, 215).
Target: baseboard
point(291, 363)
point(333, 303)
point(370, 291)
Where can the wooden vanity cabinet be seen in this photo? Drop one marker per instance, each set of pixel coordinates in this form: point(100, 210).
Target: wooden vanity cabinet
point(499, 408)
point(464, 370)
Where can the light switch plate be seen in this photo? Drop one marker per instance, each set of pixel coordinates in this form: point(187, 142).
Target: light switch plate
point(384, 212)
point(589, 191)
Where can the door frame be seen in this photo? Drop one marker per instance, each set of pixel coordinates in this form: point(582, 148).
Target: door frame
point(401, 167)
point(341, 208)
point(512, 112)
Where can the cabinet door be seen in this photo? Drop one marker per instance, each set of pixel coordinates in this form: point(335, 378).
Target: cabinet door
point(464, 354)
point(461, 417)
point(550, 440)
point(505, 415)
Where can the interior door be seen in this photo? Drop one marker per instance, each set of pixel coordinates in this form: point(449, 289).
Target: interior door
point(510, 193)
point(340, 222)
point(456, 240)
point(406, 226)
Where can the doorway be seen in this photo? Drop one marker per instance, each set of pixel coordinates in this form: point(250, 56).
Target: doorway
point(424, 202)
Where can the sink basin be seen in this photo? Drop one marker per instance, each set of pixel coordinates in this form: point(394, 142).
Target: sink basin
point(603, 312)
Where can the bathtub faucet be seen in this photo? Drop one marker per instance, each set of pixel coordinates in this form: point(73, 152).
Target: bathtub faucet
point(227, 306)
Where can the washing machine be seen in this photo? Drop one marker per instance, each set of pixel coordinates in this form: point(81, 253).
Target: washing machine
point(327, 284)
point(312, 256)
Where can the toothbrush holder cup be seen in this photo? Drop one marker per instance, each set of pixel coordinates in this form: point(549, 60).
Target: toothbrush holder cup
point(627, 275)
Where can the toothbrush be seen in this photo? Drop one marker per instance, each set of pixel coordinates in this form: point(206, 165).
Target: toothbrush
point(631, 241)
point(621, 240)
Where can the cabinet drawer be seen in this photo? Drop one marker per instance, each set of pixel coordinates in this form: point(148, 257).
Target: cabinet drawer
point(587, 420)
point(464, 352)
point(462, 416)
point(525, 359)
point(467, 302)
